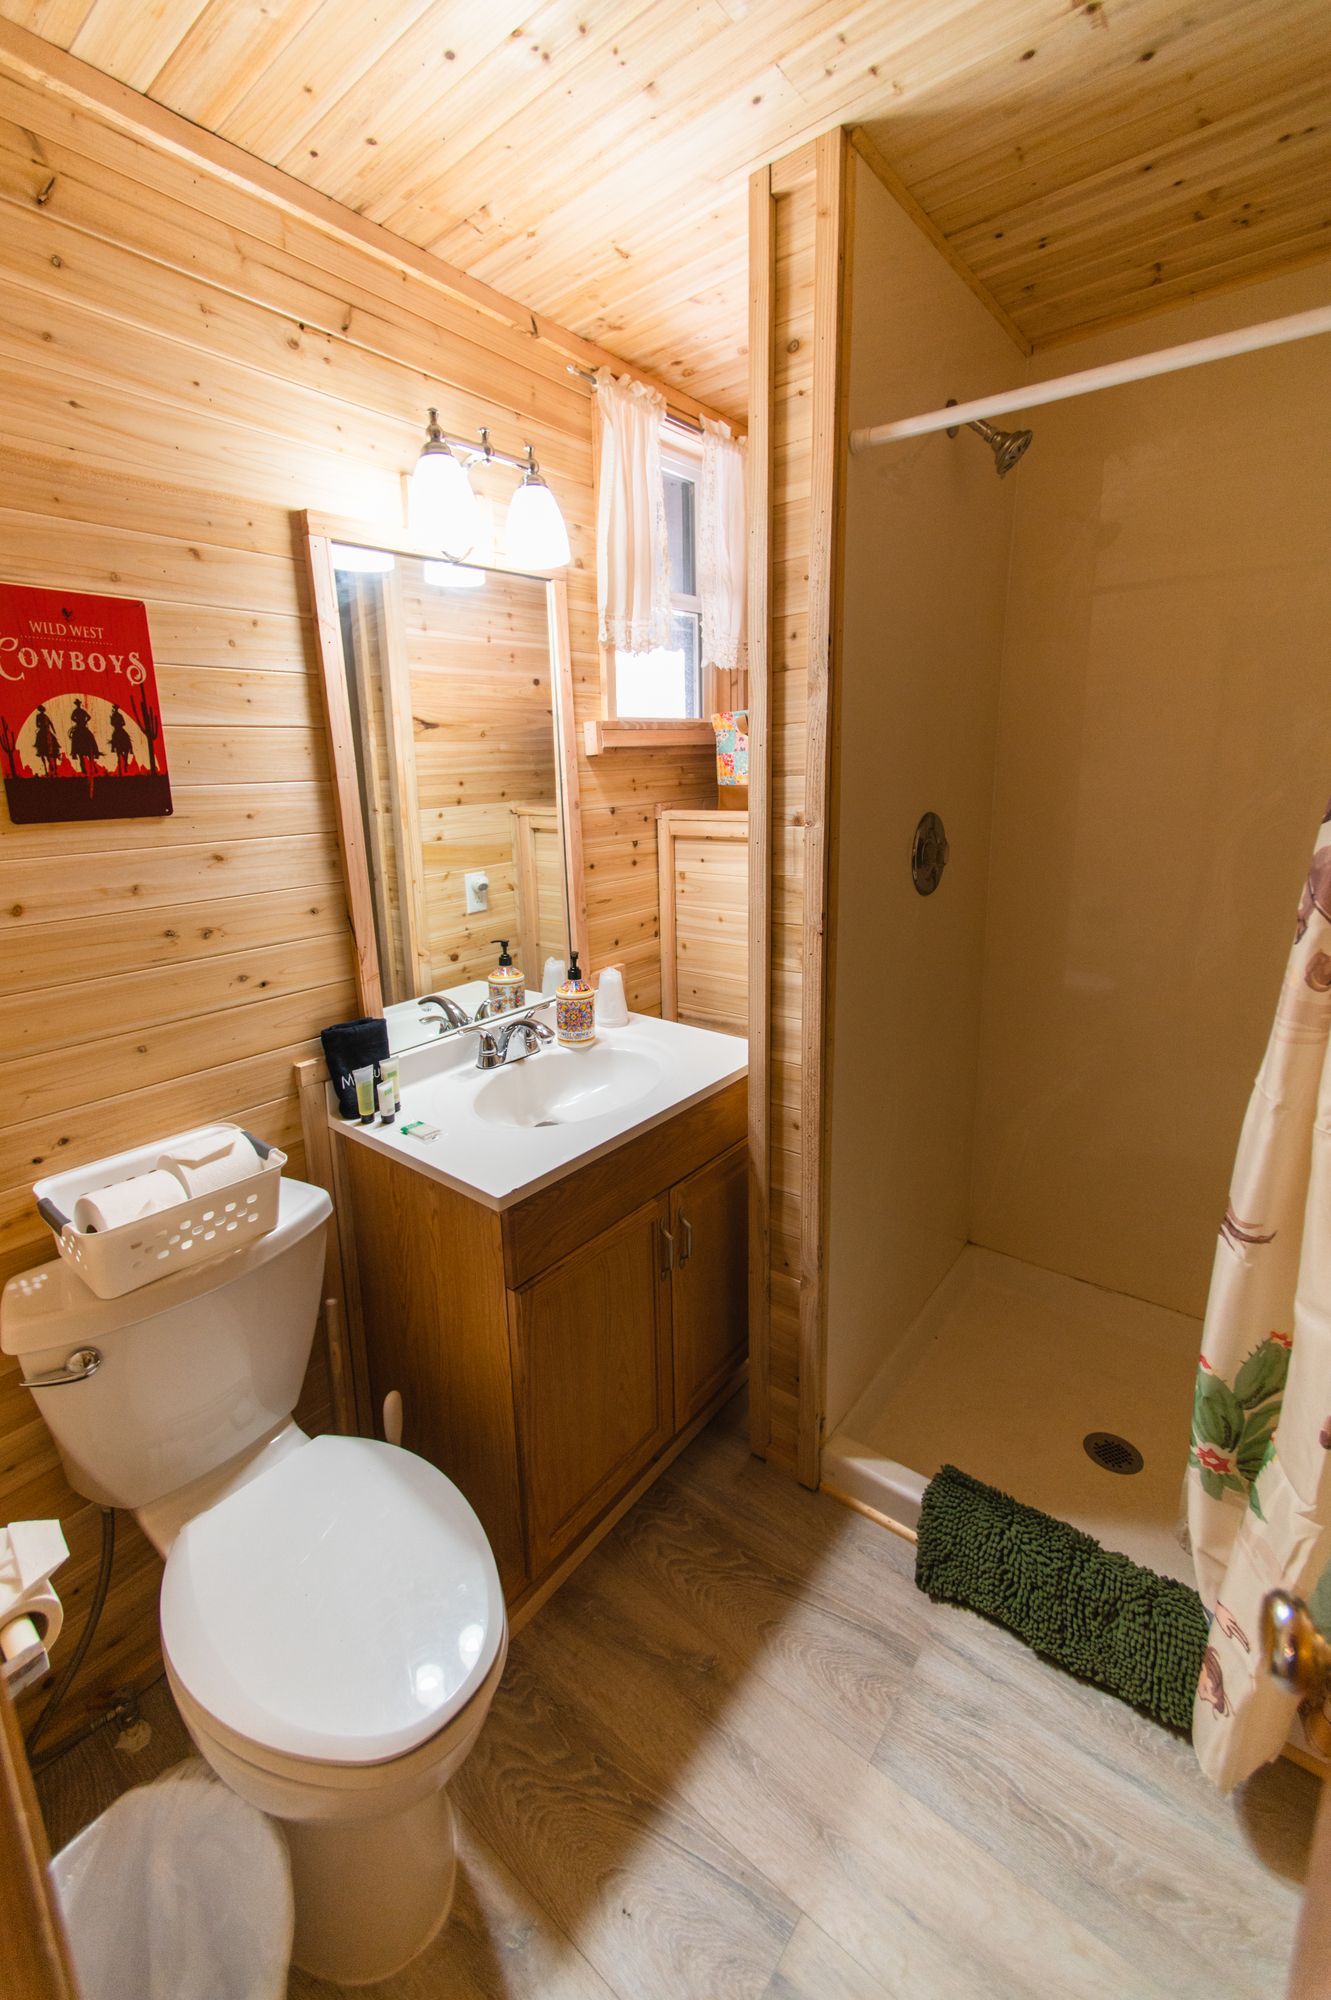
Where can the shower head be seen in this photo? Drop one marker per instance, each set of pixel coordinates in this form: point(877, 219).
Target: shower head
point(1007, 446)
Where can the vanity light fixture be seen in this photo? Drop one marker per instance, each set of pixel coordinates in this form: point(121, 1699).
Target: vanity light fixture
point(441, 506)
point(535, 537)
point(443, 512)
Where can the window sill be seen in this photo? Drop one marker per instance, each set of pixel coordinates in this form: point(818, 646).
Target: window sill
point(647, 733)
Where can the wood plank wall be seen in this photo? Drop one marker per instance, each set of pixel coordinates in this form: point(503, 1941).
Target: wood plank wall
point(182, 362)
point(797, 234)
point(483, 732)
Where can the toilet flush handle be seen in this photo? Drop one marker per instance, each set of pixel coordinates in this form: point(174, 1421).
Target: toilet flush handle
point(82, 1363)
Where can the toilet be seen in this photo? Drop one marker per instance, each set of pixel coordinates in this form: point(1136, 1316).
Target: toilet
point(332, 1620)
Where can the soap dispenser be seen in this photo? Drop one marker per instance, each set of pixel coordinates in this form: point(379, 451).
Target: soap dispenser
point(507, 989)
point(575, 1010)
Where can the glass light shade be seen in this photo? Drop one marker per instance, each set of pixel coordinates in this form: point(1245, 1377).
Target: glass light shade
point(441, 504)
point(361, 562)
point(454, 576)
point(536, 537)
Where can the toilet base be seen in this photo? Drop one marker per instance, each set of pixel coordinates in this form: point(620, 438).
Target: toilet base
point(370, 1894)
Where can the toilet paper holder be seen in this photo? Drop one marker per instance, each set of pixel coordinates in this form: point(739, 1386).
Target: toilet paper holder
point(31, 1614)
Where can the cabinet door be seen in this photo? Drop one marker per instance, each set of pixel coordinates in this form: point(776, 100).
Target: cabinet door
point(592, 1339)
point(709, 1221)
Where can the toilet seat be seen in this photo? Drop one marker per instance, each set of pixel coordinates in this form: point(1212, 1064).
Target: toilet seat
point(344, 1606)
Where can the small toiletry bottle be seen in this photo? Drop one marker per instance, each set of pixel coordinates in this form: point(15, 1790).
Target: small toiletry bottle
point(575, 1010)
point(385, 1091)
point(506, 985)
point(364, 1081)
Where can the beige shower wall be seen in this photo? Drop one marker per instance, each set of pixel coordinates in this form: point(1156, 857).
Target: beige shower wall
point(927, 531)
point(1164, 756)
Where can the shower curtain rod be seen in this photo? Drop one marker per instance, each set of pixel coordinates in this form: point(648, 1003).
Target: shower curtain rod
point(1191, 354)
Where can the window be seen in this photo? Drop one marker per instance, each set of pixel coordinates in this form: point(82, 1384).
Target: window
point(668, 683)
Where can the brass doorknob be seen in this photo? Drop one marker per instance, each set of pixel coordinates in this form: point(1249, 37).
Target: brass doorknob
point(1296, 1653)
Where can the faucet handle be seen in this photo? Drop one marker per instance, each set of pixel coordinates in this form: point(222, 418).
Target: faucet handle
point(487, 1048)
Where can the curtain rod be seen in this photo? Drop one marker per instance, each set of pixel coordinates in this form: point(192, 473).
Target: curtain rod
point(1165, 361)
point(672, 416)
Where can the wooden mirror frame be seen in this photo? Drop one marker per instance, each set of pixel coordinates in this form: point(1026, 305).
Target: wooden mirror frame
point(320, 531)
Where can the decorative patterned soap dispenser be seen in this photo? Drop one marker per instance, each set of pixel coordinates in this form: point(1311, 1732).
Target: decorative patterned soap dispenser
point(575, 1010)
point(507, 989)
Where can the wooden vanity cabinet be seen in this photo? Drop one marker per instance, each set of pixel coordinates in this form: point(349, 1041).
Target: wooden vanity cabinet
point(550, 1354)
point(591, 1340)
point(709, 1226)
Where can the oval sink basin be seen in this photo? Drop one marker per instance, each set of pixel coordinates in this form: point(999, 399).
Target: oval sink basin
point(554, 1089)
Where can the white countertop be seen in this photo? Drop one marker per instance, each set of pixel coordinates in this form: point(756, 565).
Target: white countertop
point(500, 1164)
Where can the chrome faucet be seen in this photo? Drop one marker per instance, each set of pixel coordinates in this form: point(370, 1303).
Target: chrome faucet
point(493, 1044)
point(532, 1032)
point(450, 1012)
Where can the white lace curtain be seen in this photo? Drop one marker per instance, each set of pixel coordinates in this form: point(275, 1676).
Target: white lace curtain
point(632, 560)
point(722, 548)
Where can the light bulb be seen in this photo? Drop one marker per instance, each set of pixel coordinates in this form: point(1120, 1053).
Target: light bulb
point(535, 537)
point(454, 576)
point(441, 506)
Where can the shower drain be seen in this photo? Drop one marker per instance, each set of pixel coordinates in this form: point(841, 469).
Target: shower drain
point(1111, 1452)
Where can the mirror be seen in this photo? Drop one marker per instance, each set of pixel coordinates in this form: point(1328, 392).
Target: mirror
point(449, 703)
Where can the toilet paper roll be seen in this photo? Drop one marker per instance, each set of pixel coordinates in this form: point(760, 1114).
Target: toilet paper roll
point(211, 1160)
point(26, 1641)
point(43, 1612)
point(128, 1200)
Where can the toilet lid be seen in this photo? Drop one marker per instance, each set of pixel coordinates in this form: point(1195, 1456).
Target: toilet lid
point(344, 1605)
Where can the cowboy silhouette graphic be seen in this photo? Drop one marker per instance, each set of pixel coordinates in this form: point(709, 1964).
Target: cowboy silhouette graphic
point(48, 743)
point(122, 749)
point(82, 743)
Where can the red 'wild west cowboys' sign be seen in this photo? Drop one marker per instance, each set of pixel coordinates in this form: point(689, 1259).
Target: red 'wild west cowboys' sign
point(80, 724)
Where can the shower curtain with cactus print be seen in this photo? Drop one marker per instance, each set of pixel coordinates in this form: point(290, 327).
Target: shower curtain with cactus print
point(1259, 1468)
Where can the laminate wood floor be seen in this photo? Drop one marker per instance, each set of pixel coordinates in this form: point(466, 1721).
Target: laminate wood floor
point(739, 1755)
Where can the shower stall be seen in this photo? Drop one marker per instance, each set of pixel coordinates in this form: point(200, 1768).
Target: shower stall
point(1081, 736)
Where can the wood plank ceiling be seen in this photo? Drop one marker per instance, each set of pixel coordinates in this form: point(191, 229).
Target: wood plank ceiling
point(1089, 160)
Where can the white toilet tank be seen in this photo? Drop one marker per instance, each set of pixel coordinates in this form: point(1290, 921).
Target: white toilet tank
point(194, 1367)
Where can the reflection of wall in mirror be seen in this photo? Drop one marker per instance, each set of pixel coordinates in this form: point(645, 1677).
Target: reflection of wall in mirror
point(360, 598)
point(482, 710)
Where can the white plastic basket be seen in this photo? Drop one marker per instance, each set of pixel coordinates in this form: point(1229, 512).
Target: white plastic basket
point(112, 1262)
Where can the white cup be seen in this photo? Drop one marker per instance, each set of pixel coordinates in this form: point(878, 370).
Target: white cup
point(611, 1007)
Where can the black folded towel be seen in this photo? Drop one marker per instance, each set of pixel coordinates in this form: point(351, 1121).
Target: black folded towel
point(348, 1046)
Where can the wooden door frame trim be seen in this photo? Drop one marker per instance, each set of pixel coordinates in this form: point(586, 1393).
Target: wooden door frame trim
point(826, 162)
point(834, 186)
point(762, 289)
point(35, 1962)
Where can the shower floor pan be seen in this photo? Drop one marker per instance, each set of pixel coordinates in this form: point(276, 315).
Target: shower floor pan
point(1005, 1373)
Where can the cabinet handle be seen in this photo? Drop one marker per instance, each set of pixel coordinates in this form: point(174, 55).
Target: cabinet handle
point(686, 1246)
point(667, 1250)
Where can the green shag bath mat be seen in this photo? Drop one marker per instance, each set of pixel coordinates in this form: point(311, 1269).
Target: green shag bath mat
point(1098, 1615)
